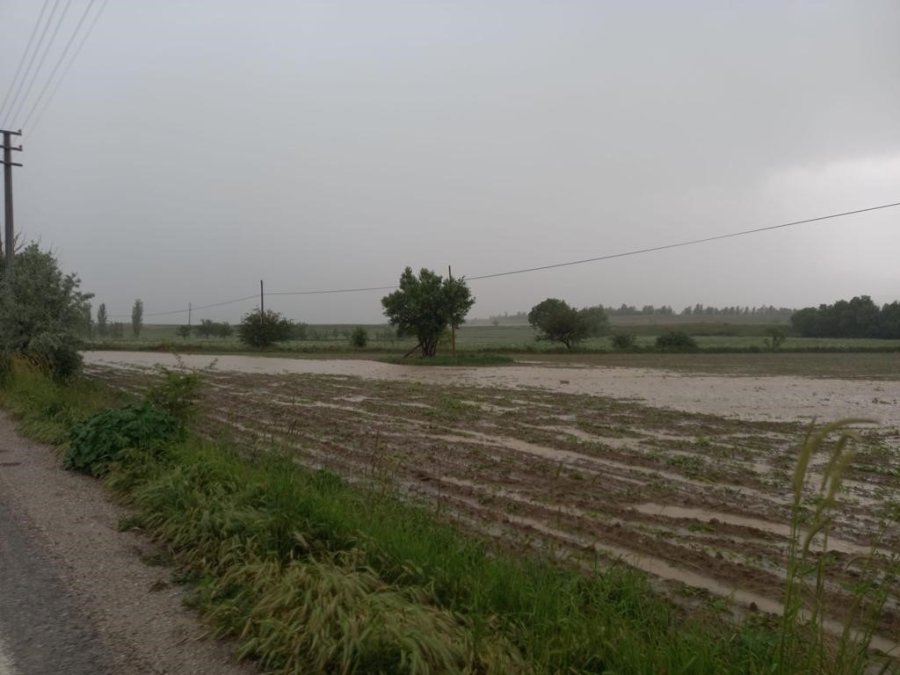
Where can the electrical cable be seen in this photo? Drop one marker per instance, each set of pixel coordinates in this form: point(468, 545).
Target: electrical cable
point(690, 242)
point(610, 256)
point(12, 85)
point(31, 59)
point(59, 62)
point(14, 114)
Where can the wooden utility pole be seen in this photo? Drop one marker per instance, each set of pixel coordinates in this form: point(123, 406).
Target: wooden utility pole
point(9, 227)
point(452, 323)
point(190, 307)
point(262, 299)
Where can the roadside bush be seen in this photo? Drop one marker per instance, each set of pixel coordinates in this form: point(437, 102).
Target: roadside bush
point(100, 440)
point(55, 354)
point(359, 337)
point(675, 341)
point(42, 313)
point(176, 394)
point(623, 341)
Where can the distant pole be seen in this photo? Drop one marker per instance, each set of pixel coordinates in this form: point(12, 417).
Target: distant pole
point(452, 324)
point(262, 298)
point(189, 314)
point(9, 229)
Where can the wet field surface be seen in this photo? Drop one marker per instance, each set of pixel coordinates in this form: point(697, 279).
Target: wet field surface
point(588, 465)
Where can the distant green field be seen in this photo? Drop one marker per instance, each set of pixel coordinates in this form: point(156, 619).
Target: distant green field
point(333, 338)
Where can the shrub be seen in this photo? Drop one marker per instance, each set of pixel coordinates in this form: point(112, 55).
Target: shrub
point(776, 337)
point(359, 337)
point(100, 440)
point(176, 394)
point(675, 341)
point(624, 341)
point(42, 313)
point(55, 354)
point(261, 329)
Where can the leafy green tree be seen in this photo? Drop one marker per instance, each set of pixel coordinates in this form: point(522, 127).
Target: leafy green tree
point(88, 326)
point(426, 305)
point(137, 317)
point(556, 321)
point(102, 320)
point(183, 331)
point(207, 328)
point(42, 312)
point(359, 337)
point(262, 329)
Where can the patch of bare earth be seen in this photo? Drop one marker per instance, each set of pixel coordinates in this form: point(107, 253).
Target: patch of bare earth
point(567, 463)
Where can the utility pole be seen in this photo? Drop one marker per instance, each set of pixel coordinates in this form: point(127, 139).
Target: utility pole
point(262, 299)
point(9, 229)
point(190, 307)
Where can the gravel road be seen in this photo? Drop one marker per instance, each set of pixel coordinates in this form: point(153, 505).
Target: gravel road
point(76, 595)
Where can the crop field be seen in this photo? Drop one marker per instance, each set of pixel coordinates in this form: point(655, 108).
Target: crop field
point(512, 338)
point(687, 478)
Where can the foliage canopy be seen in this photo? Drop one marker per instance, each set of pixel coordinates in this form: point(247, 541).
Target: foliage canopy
point(859, 317)
point(42, 312)
point(260, 329)
point(425, 305)
point(556, 321)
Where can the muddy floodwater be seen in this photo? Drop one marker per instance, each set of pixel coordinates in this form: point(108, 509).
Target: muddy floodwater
point(764, 398)
point(686, 477)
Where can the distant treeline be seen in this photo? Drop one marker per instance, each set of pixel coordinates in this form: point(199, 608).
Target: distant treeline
point(856, 318)
point(762, 313)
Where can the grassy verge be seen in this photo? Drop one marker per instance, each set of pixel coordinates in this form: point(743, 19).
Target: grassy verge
point(314, 575)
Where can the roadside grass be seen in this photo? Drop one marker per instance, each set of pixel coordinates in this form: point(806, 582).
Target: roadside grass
point(312, 574)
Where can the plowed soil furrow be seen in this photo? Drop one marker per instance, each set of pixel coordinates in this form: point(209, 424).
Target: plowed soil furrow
point(691, 498)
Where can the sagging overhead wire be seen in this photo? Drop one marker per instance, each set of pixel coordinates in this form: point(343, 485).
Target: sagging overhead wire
point(59, 62)
point(68, 67)
point(12, 85)
point(7, 119)
point(610, 256)
point(17, 109)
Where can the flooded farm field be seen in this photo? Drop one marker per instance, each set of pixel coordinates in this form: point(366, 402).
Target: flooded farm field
point(685, 477)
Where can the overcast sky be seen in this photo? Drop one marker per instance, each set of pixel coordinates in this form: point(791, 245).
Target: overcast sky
point(195, 148)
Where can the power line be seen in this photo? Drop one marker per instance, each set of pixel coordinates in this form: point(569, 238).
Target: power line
point(14, 114)
point(12, 85)
point(68, 67)
point(690, 242)
point(37, 47)
point(337, 290)
point(59, 62)
point(623, 254)
point(186, 310)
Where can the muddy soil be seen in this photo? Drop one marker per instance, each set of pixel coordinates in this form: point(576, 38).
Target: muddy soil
point(587, 465)
point(766, 398)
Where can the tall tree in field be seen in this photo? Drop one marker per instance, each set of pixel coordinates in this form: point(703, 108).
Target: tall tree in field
point(426, 305)
point(556, 321)
point(102, 320)
point(137, 317)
